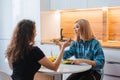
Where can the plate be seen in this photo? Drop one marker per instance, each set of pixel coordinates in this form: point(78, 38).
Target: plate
point(68, 61)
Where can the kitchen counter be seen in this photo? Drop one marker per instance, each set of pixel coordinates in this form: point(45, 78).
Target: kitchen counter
point(110, 44)
point(47, 41)
point(106, 44)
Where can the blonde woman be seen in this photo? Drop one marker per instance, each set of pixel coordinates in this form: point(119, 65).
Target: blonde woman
point(86, 49)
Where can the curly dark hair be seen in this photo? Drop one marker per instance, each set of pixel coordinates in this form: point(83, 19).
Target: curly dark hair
point(22, 41)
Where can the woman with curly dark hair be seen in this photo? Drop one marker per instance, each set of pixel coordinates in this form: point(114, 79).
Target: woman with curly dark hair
point(24, 58)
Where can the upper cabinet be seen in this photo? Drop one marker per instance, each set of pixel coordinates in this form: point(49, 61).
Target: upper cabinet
point(68, 4)
point(44, 5)
point(102, 3)
point(81, 4)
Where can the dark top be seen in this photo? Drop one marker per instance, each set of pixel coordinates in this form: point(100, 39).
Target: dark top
point(24, 69)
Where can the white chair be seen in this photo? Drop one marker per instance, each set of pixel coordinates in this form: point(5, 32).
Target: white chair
point(102, 70)
point(4, 76)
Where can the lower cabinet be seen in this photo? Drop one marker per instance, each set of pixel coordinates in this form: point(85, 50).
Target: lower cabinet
point(107, 77)
point(112, 70)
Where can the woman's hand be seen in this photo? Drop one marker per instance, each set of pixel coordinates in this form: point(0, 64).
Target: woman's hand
point(77, 61)
point(62, 44)
point(67, 43)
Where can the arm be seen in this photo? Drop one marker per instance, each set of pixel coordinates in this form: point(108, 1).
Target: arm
point(54, 66)
point(98, 57)
point(69, 53)
point(79, 61)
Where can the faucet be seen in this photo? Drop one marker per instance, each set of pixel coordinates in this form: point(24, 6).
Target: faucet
point(61, 35)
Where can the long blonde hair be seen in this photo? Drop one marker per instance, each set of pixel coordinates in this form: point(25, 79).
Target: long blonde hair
point(20, 42)
point(85, 30)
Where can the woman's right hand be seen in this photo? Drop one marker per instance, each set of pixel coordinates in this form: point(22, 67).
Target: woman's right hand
point(67, 43)
point(62, 44)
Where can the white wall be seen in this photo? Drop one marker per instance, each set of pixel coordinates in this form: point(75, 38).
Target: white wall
point(10, 15)
point(50, 25)
point(30, 9)
point(5, 31)
point(5, 19)
point(50, 21)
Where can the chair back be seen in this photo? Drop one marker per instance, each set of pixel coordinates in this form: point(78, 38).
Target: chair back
point(4, 76)
point(102, 71)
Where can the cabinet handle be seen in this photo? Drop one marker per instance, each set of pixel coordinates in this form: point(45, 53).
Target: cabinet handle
point(112, 62)
point(112, 75)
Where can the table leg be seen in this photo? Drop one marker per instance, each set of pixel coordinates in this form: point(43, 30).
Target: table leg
point(58, 77)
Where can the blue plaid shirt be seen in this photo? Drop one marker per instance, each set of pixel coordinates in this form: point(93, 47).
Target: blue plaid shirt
point(90, 50)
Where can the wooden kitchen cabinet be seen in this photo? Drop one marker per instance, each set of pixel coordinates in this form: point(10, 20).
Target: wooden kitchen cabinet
point(114, 24)
point(94, 16)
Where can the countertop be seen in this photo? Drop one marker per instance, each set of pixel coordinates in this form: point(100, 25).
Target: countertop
point(110, 44)
point(106, 44)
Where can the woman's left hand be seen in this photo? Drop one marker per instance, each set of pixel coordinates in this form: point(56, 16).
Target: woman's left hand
point(77, 61)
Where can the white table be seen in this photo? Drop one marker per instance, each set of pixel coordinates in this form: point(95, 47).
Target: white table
point(65, 68)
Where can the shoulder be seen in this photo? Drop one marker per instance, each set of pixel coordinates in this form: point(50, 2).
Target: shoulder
point(96, 44)
point(73, 43)
point(95, 41)
point(37, 53)
point(36, 50)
